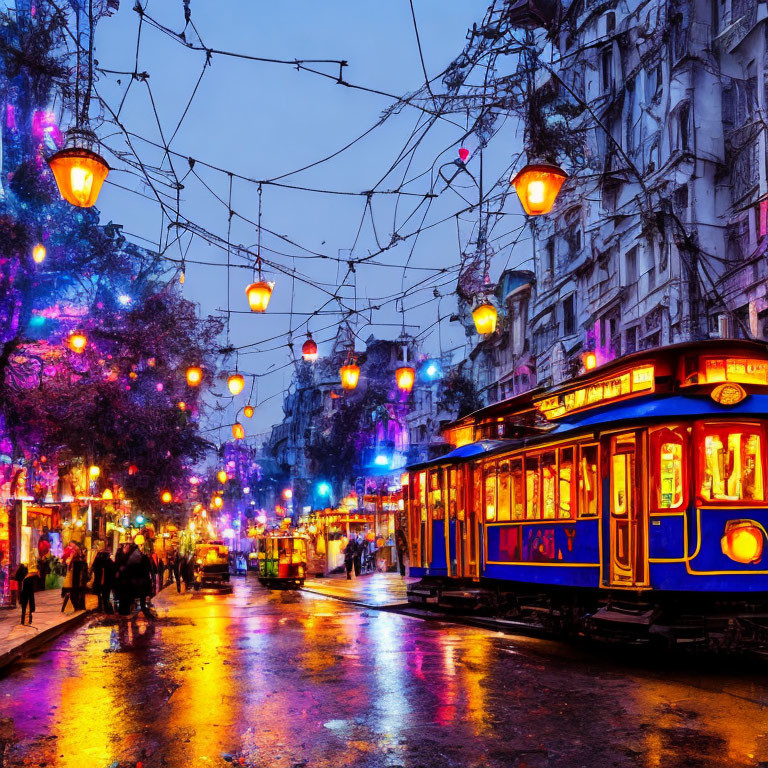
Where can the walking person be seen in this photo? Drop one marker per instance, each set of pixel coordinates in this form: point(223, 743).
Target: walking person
point(161, 568)
point(27, 590)
point(358, 554)
point(66, 586)
point(79, 579)
point(104, 570)
point(350, 551)
point(140, 575)
point(401, 544)
point(122, 581)
point(175, 568)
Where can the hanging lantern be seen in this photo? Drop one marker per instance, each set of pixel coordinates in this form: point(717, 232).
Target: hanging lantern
point(222, 475)
point(166, 497)
point(194, 375)
point(236, 382)
point(93, 471)
point(238, 431)
point(38, 253)
point(77, 342)
point(485, 315)
point(217, 502)
point(309, 350)
point(259, 295)
point(404, 377)
point(349, 373)
point(537, 186)
point(463, 154)
point(78, 170)
point(248, 411)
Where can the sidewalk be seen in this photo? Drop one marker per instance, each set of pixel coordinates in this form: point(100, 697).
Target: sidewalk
point(47, 623)
point(374, 590)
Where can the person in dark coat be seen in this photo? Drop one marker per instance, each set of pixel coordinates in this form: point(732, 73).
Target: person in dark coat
point(140, 574)
point(358, 554)
point(187, 572)
point(160, 573)
point(27, 579)
point(104, 571)
point(350, 552)
point(122, 581)
point(174, 566)
point(79, 580)
point(401, 544)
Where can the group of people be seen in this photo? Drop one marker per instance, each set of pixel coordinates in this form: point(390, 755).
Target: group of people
point(119, 583)
point(360, 554)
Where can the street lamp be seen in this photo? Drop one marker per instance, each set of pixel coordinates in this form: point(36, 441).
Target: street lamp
point(38, 253)
point(77, 342)
point(78, 170)
point(404, 377)
point(537, 186)
point(166, 497)
point(259, 294)
point(485, 315)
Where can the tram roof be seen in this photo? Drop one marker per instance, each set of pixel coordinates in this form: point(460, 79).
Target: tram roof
point(468, 451)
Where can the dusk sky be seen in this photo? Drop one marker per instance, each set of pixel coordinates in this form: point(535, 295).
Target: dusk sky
point(263, 120)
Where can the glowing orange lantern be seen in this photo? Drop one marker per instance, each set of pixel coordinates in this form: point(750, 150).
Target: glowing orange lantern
point(222, 475)
point(194, 375)
point(217, 502)
point(238, 431)
point(350, 373)
point(404, 377)
point(485, 315)
point(236, 382)
point(166, 497)
point(259, 294)
point(38, 253)
point(182, 405)
point(79, 174)
point(537, 186)
point(248, 411)
point(77, 342)
point(590, 361)
point(309, 350)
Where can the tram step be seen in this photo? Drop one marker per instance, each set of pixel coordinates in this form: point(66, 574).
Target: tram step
point(635, 615)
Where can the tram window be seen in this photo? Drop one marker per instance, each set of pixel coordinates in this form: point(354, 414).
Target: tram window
point(549, 484)
point(588, 482)
point(620, 482)
point(517, 490)
point(490, 494)
point(503, 512)
point(477, 495)
point(532, 488)
point(436, 499)
point(668, 488)
point(565, 505)
point(452, 493)
point(423, 495)
point(731, 464)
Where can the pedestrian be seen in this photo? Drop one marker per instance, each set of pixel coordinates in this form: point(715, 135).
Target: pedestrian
point(401, 544)
point(187, 573)
point(27, 589)
point(122, 581)
point(79, 580)
point(175, 567)
point(358, 553)
point(161, 572)
point(103, 571)
point(349, 556)
point(21, 574)
point(140, 574)
point(66, 586)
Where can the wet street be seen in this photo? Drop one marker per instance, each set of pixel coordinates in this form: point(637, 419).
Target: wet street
point(289, 679)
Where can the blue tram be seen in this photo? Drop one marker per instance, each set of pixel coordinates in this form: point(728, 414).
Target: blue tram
point(631, 497)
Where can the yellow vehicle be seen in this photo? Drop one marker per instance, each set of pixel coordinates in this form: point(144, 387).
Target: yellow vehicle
point(212, 560)
point(282, 560)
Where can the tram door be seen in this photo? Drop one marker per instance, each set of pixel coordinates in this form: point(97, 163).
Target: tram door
point(466, 523)
point(627, 557)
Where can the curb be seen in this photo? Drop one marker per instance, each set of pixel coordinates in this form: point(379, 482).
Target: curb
point(42, 638)
point(352, 601)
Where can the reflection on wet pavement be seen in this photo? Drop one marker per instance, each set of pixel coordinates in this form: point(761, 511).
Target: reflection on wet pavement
point(289, 679)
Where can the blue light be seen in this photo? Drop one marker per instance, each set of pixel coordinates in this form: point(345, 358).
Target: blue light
point(381, 461)
point(324, 489)
point(431, 370)
point(124, 299)
point(139, 519)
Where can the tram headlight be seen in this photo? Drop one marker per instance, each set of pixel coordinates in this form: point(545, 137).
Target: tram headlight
point(743, 541)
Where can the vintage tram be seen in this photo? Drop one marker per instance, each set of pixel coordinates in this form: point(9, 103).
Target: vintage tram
point(629, 501)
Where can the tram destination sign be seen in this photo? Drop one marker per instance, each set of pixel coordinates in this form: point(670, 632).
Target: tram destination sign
point(627, 383)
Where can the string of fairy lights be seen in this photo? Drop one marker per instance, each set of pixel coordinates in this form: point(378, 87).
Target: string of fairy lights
point(81, 170)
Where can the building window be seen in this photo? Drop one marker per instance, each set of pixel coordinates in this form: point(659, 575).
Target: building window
point(569, 316)
point(630, 263)
point(606, 69)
